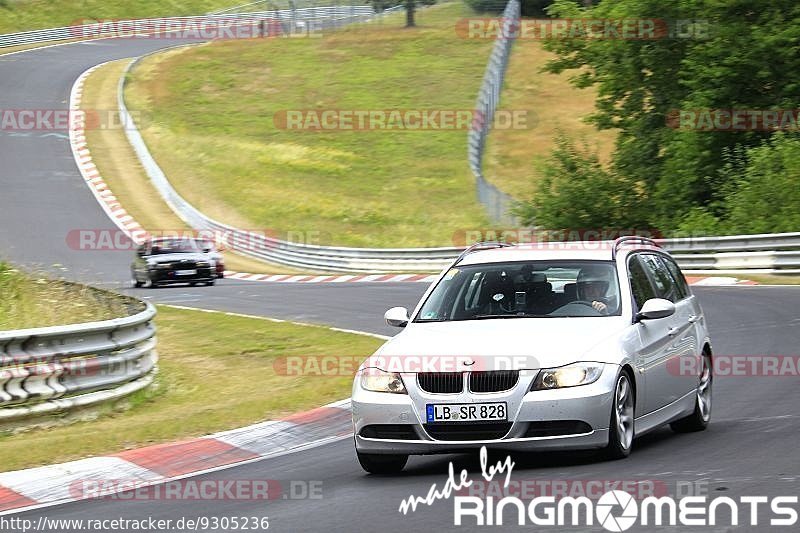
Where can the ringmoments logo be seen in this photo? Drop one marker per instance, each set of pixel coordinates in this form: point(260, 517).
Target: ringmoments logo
point(615, 510)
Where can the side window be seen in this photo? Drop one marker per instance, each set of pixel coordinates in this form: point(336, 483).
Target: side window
point(641, 287)
point(665, 286)
point(677, 275)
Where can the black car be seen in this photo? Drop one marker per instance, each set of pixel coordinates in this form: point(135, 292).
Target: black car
point(166, 261)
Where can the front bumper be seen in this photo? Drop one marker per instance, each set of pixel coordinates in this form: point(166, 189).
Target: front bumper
point(589, 404)
point(167, 276)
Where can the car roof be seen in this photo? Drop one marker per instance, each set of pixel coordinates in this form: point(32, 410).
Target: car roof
point(553, 251)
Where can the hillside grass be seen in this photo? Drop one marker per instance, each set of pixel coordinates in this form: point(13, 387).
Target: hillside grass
point(206, 383)
point(121, 170)
point(211, 129)
point(31, 301)
point(514, 159)
point(23, 15)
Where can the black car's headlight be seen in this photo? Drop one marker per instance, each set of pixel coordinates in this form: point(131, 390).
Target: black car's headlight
point(159, 266)
point(203, 264)
point(567, 376)
point(376, 380)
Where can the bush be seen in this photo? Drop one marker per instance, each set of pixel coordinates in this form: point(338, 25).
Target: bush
point(765, 197)
point(577, 192)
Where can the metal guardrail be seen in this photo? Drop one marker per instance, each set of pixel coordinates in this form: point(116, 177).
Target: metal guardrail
point(767, 253)
point(306, 18)
point(497, 203)
point(53, 369)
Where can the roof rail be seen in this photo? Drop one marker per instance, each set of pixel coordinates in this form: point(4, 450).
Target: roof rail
point(629, 239)
point(486, 245)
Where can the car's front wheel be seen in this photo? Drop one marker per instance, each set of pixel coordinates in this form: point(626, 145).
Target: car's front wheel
point(698, 420)
point(620, 429)
point(382, 464)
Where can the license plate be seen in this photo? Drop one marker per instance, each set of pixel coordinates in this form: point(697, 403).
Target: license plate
point(467, 412)
point(186, 272)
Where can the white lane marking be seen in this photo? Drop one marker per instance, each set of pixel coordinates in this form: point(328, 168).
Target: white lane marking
point(279, 320)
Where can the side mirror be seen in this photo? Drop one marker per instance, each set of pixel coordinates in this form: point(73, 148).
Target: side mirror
point(655, 308)
point(397, 317)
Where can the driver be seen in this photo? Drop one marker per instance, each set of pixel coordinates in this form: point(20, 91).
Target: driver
point(592, 285)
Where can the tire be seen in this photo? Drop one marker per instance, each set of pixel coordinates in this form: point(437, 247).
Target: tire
point(193, 284)
point(210, 283)
point(151, 284)
point(621, 433)
point(382, 464)
point(701, 416)
point(136, 283)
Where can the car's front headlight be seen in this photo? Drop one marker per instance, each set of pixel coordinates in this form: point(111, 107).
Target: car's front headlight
point(376, 380)
point(567, 376)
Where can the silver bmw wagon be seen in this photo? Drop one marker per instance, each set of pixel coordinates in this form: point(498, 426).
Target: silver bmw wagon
point(575, 345)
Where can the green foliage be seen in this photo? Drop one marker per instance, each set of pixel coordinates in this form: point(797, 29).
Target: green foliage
point(735, 55)
point(577, 192)
point(765, 197)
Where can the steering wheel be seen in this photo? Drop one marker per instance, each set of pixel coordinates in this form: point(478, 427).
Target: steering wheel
point(581, 302)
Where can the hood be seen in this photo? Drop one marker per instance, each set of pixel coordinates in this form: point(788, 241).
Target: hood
point(508, 343)
point(169, 258)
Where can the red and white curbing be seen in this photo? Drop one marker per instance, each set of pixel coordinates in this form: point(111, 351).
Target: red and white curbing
point(717, 281)
point(125, 222)
point(52, 485)
point(83, 158)
point(365, 278)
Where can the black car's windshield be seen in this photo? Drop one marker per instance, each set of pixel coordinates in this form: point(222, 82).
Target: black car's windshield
point(177, 246)
point(524, 289)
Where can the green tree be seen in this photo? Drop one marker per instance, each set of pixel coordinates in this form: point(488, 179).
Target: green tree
point(410, 7)
point(577, 192)
point(731, 54)
point(764, 196)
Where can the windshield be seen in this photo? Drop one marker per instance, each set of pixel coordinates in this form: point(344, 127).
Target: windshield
point(524, 289)
point(178, 246)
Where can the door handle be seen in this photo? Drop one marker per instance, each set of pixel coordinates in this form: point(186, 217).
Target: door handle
point(673, 331)
point(693, 318)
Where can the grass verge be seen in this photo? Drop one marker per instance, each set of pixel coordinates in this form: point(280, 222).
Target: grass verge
point(206, 383)
point(212, 131)
point(120, 168)
point(514, 158)
point(31, 302)
point(22, 15)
